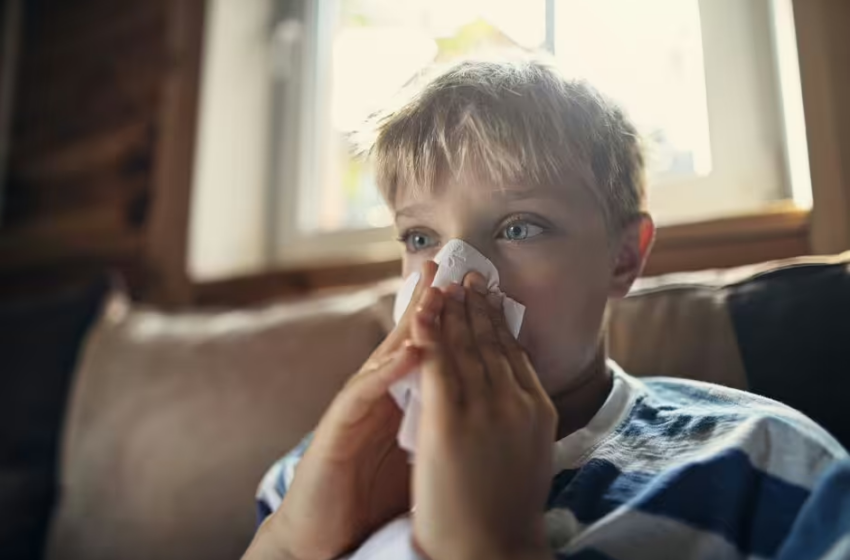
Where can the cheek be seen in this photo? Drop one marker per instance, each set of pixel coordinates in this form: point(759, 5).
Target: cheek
point(411, 263)
point(407, 266)
point(565, 301)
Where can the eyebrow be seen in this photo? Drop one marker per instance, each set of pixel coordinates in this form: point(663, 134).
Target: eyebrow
point(523, 194)
point(412, 210)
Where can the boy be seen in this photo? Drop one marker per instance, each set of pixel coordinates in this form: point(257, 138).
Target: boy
point(545, 178)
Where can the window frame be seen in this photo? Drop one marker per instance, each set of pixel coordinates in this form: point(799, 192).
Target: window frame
point(297, 100)
point(782, 233)
point(291, 248)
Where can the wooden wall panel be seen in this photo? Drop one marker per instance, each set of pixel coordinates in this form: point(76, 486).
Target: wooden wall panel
point(102, 138)
point(10, 39)
point(81, 160)
point(167, 236)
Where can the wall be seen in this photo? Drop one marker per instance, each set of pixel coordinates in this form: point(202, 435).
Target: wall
point(227, 234)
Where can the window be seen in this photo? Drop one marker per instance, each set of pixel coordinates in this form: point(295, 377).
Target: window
point(713, 86)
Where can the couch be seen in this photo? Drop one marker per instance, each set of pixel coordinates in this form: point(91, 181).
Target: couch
point(143, 433)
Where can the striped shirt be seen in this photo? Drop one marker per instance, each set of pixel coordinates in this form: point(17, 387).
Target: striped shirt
point(678, 469)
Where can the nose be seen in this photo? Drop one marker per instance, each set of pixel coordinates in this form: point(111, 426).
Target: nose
point(475, 258)
point(480, 245)
point(486, 247)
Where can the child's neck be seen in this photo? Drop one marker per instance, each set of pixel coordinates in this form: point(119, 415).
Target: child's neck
point(580, 402)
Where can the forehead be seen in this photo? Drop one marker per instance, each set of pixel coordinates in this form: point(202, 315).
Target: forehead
point(474, 188)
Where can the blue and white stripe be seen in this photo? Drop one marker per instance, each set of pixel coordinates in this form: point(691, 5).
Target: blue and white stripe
point(685, 470)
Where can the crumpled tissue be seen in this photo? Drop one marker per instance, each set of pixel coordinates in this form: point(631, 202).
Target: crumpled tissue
point(455, 260)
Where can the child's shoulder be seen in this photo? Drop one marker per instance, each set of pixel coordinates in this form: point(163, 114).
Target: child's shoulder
point(662, 398)
point(688, 461)
point(681, 421)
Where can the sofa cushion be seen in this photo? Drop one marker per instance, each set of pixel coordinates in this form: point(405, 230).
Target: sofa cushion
point(793, 327)
point(39, 343)
point(677, 326)
point(175, 417)
point(778, 329)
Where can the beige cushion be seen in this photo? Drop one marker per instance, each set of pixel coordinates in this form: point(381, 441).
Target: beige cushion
point(679, 326)
point(174, 418)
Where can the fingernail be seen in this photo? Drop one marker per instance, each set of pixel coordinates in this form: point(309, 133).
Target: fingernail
point(495, 300)
point(425, 315)
point(410, 350)
point(478, 284)
point(457, 292)
point(410, 346)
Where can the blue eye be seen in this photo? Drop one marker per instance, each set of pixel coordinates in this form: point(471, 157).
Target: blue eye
point(417, 241)
point(519, 231)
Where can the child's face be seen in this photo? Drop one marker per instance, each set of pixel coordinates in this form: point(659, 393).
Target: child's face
point(553, 252)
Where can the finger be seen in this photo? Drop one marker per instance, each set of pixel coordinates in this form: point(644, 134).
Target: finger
point(527, 378)
point(438, 372)
point(442, 393)
point(373, 383)
point(428, 310)
point(423, 329)
point(523, 372)
point(430, 304)
point(459, 343)
point(401, 333)
point(426, 278)
point(521, 367)
point(491, 350)
point(365, 390)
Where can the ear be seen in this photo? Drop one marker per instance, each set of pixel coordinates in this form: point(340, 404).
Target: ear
point(630, 255)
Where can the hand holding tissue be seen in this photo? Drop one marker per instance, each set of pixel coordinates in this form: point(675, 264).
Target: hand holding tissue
point(456, 259)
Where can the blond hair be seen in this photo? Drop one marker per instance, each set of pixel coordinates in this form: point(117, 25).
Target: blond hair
point(512, 121)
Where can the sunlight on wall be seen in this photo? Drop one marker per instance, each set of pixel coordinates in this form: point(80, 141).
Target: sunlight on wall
point(227, 228)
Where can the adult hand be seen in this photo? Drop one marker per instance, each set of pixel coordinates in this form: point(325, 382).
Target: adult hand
point(353, 477)
point(483, 462)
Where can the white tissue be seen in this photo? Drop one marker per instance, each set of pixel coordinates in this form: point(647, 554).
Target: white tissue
point(456, 259)
point(390, 542)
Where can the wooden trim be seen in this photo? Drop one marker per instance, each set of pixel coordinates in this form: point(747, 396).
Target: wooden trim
point(11, 15)
point(168, 226)
point(32, 250)
point(724, 243)
point(780, 221)
point(776, 234)
point(824, 49)
point(262, 287)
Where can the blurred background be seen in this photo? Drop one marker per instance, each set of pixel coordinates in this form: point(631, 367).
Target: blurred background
point(191, 262)
point(201, 147)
